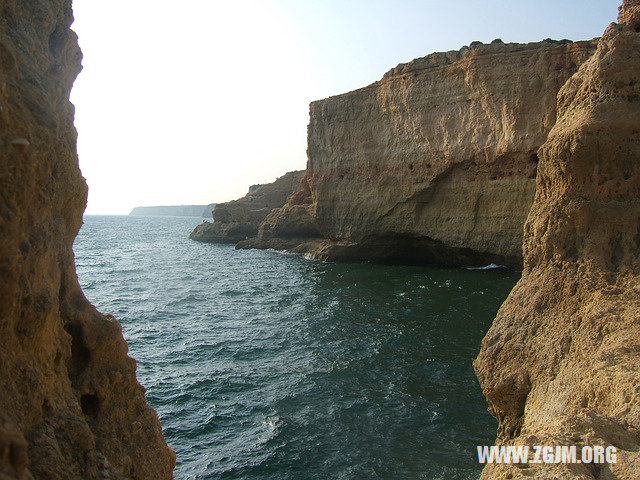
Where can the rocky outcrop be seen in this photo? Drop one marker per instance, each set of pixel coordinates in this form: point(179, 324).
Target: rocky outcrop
point(202, 211)
point(239, 219)
point(291, 227)
point(559, 366)
point(436, 162)
point(70, 406)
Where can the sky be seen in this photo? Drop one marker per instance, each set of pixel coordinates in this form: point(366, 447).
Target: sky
point(191, 102)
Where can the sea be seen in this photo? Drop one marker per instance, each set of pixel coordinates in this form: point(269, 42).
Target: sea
point(267, 365)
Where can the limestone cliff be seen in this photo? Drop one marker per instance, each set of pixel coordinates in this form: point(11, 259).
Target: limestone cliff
point(436, 162)
point(239, 219)
point(70, 405)
point(560, 364)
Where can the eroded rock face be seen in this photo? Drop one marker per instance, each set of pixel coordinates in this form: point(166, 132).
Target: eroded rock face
point(437, 161)
point(239, 219)
point(292, 227)
point(559, 366)
point(70, 406)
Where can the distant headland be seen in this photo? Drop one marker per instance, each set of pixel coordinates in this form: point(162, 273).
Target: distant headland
point(203, 211)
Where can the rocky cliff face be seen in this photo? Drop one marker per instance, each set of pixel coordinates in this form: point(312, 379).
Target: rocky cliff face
point(239, 219)
point(436, 162)
point(560, 364)
point(70, 405)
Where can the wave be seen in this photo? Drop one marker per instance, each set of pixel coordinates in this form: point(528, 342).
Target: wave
point(263, 365)
point(491, 266)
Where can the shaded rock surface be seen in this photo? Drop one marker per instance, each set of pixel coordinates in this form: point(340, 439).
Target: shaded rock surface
point(436, 162)
point(290, 227)
point(70, 406)
point(239, 219)
point(559, 366)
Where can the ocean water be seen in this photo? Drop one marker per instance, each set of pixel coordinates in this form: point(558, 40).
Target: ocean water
point(265, 365)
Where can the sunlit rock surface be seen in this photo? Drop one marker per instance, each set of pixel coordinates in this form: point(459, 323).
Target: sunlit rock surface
point(434, 163)
point(70, 405)
point(559, 366)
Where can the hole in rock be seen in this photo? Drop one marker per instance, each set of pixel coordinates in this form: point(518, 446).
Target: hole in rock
point(56, 41)
point(80, 354)
point(89, 403)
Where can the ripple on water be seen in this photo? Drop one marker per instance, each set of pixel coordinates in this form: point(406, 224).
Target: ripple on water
point(264, 365)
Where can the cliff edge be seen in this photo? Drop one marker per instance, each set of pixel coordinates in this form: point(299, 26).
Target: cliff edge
point(559, 366)
point(70, 407)
point(434, 163)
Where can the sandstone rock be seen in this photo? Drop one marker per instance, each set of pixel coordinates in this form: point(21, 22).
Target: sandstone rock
point(560, 364)
point(239, 219)
point(70, 406)
point(437, 161)
point(291, 227)
point(227, 232)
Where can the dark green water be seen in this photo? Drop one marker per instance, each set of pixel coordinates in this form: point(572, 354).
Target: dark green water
point(268, 366)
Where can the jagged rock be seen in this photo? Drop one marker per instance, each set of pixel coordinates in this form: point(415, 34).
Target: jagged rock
point(239, 219)
point(559, 366)
point(436, 162)
point(70, 405)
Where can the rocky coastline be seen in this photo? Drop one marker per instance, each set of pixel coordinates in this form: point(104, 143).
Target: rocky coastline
point(514, 154)
point(240, 219)
point(558, 181)
point(433, 164)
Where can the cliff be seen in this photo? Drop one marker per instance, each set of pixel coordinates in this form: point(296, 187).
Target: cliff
point(236, 220)
point(436, 162)
point(559, 366)
point(70, 407)
point(203, 211)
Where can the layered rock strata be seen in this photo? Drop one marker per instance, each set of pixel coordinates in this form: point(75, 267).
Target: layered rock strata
point(70, 405)
point(436, 162)
point(239, 219)
point(559, 366)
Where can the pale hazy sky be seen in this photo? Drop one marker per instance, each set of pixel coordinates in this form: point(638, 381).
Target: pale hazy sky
point(191, 102)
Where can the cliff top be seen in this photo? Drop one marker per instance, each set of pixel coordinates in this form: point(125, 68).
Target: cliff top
point(443, 59)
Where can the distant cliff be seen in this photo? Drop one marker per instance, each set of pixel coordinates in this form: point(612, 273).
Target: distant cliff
point(239, 219)
point(202, 211)
point(70, 404)
point(434, 163)
point(559, 366)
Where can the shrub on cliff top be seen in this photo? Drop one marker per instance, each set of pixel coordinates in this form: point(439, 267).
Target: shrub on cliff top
point(551, 40)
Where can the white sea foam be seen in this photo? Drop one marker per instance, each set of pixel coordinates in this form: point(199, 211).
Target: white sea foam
point(491, 266)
